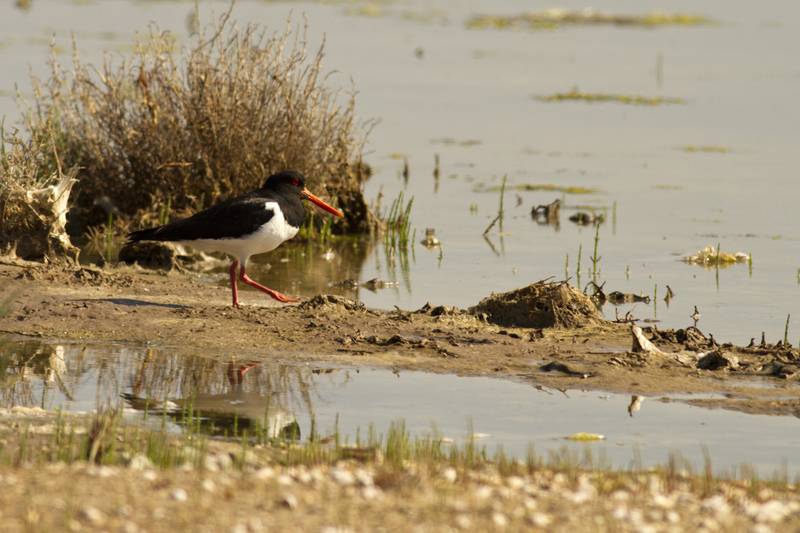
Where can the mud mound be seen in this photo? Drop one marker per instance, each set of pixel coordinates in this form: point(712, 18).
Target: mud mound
point(330, 301)
point(540, 305)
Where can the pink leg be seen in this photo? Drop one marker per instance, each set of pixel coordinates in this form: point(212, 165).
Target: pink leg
point(236, 376)
point(234, 289)
point(275, 294)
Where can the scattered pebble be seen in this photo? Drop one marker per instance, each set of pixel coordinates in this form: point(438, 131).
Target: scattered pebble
point(482, 493)
point(371, 493)
point(717, 505)
point(124, 510)
point(93, 515)
point(265, 473)
point(463, 521)
point(449, 474)
point(499, 520)
point(140, 462)
point(771, 511)
point(341, 476)
point(289, 500)
point(179, 495)
point(541, 520)
point(515, 482)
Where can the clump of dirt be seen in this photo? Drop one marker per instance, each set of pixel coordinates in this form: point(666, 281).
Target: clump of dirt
point(33, 222)
point(330, 301)
point(540, 305)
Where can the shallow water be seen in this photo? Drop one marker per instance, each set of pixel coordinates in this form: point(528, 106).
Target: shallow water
point(513, 415)
point(467, 95)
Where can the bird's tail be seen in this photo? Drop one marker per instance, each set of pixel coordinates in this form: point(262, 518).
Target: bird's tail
point(143, 235)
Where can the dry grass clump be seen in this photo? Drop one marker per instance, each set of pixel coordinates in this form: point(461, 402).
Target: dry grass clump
point(544, 304)
point(188, 128)
point(34, 197)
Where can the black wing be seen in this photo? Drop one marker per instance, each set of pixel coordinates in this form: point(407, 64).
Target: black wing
point(232, 218)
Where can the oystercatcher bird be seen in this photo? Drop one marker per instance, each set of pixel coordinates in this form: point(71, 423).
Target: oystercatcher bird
point(250, 224)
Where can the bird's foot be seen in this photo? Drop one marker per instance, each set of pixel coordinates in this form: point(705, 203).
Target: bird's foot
point(281, 297)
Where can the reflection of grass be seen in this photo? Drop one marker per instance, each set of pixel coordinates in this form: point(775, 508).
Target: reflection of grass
point(543, 187)
point(552, 19)
point(575, 94)
point(708, 149)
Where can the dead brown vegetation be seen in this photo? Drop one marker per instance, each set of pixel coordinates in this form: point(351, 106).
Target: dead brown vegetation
point(187, 128)
point(540, 305)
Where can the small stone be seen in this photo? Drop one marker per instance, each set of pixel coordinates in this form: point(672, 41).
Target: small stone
point(208, 485)
point(341, 476)
point(482, 493)
point(124, 510)
point(716, 504)
point(140, 462)
point(620, 496)
point(304, 477)
point(636, 517)
point(771, 511)
point(449, 474)
point(179, 495)
point(255, 525)
point(463, 521)
point(129, 527)
point(93, 515)
point(285, 480)
point(460, 505)
point(499, 520)
point(540, 520)
point(102, 471)
point(761, 528)
point(515, 482)
point(620, 513)
point(530, 504)
point(371, 493)
point(264, 474)
point(289, 500)
point(664, 502)
point(364, 478)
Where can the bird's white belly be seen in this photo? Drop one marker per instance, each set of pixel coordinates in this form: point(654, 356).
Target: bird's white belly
point(265, 239)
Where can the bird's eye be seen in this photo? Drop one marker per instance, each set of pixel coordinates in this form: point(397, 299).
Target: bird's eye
point(295, 181)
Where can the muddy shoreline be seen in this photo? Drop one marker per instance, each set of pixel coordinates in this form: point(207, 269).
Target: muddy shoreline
point(130, 305)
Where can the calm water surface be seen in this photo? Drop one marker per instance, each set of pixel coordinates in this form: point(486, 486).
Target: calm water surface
point(513, 415)
point(468, 96)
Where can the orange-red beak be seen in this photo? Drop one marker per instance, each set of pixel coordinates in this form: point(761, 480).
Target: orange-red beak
point(308, 196)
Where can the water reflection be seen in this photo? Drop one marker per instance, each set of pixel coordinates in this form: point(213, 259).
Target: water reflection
point(223, 413)
point(221, 396)
point(255, 391)
point(22, 365)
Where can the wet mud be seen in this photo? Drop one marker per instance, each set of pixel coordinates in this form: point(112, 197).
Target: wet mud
point(547, 334)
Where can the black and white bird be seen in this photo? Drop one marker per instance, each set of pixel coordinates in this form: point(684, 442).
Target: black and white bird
point(250, 224)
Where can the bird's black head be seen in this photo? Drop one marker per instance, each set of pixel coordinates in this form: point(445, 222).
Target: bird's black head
point(283, 180)
point(289, 183)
